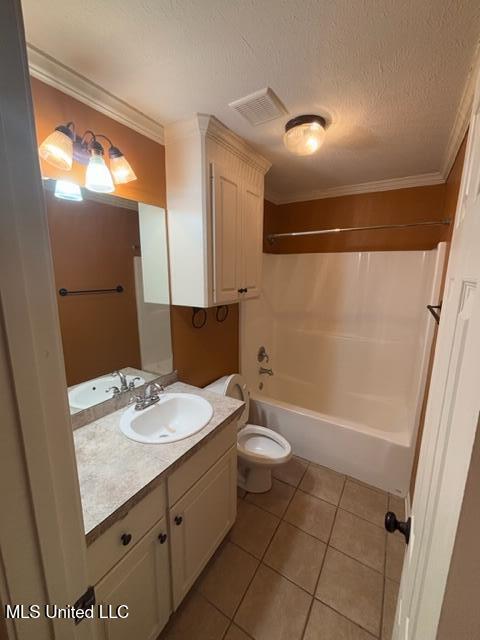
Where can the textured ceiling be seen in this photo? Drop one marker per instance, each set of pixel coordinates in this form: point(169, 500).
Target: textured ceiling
point(388, 74)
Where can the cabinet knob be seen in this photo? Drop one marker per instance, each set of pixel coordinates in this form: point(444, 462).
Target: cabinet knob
point(162, 537)
point(178, 520)
point(126, 538)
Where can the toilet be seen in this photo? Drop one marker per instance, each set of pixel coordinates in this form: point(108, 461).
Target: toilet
point(259, 449)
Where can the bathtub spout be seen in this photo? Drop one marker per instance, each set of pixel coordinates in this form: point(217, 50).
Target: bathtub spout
point(263, 370)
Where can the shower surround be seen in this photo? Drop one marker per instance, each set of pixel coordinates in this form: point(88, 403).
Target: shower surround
point(349, 337)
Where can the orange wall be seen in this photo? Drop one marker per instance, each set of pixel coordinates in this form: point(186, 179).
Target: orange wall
point(382, 207)
point(52, 107)
point(203, 355)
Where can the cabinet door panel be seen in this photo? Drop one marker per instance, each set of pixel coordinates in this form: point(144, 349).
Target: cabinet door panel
point(226, 234)
point(200, 520)
point(142, 582)
point(252, 242)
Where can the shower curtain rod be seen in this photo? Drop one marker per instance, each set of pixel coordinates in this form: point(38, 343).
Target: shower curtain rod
point(273, 236)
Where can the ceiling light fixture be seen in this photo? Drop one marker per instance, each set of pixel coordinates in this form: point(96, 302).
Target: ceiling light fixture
point(304, 135)
point(63, 146)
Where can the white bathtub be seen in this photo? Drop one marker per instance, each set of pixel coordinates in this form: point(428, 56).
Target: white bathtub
point(378, 458)
point(349, 339)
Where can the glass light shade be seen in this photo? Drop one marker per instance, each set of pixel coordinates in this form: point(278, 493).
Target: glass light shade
point(97, 177)
point(57, 149)
point(66, 190)
point(121, 170)
point(304, 139)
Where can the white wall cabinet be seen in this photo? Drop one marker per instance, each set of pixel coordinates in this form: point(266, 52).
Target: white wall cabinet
point(142, 581)
point(215, 187)
point(199, 521)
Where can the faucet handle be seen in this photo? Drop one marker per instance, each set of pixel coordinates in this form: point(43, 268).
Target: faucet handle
point(154, 388)
point(113, 389)
point(131, 384)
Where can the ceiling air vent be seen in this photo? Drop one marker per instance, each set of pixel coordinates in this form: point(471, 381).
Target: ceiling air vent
point(259, 107)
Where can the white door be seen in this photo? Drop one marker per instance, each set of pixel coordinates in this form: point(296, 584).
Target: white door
point(141, 581)
point(200, 520)
point(252, 239)
point(451, 418)
point(226, 234)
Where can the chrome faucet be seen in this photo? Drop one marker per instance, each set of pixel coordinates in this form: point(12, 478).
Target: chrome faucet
point(264, 371)
point(123, 380)
point(151, 395)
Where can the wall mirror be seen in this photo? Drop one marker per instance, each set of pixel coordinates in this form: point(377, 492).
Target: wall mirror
point(110, 261)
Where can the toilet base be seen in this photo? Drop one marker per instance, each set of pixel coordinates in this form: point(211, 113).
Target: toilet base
point(254, 478)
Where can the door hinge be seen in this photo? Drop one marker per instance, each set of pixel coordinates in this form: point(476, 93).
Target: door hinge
point(85, 601)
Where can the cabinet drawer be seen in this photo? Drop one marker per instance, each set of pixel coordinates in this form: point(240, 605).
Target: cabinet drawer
point(180, 481)
point(109, 548)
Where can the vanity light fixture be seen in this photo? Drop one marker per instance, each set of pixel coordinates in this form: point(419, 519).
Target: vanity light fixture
point(63, 146)
point(97, 176)
point(304, 135)
point(120, 166)
point(57, 148)
point(66, 190)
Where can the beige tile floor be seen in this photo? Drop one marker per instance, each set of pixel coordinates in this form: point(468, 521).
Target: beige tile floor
point(309, 560)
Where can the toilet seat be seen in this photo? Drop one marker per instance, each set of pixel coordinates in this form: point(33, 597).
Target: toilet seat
point(262, 446)
point(233, 386)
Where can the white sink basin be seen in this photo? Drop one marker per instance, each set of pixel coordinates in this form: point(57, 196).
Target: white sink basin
point(174, 417)
point(95, 391)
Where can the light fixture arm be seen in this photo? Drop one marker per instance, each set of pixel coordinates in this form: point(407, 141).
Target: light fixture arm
point(83, 139)
point(101, 135)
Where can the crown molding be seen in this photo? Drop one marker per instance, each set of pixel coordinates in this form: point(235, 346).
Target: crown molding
point(462, 117)
point(57, 75)
point(205, 125)
point(422, 180)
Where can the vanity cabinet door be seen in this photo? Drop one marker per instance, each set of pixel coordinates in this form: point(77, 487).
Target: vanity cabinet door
point(142, 582)
point(227, 230)
point(252, 241)
point(200, 520)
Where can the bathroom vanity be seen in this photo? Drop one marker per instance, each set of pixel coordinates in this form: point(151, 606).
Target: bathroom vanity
point(154, 514)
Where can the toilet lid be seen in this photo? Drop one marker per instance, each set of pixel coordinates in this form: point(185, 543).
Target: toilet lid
point(236, 387)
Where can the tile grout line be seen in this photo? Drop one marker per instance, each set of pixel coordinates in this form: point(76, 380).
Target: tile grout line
point(323, 563)
point(342, 615)
point(260, 563)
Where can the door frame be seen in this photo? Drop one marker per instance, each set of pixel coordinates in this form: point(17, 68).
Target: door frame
point(42, 542)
